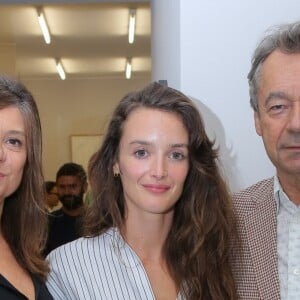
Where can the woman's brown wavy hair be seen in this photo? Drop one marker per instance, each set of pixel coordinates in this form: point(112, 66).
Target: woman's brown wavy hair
point(198, 244)
point(24, 221)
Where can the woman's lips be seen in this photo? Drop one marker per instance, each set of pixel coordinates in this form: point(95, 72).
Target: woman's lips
point(156, 188)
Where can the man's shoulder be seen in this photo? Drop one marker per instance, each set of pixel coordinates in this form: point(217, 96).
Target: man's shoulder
point(56, 213)
point(258, 189)
point(245, 199)
point(56, 217)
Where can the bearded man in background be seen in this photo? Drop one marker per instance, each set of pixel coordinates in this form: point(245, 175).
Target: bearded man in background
point(65, 224)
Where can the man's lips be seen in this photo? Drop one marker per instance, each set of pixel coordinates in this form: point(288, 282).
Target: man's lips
point(156, 188)
point(291, 147)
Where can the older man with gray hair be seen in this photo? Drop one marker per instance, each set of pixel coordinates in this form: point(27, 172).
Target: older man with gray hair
point(266, 257)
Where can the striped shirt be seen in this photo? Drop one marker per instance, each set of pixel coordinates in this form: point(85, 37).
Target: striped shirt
point(102, 267)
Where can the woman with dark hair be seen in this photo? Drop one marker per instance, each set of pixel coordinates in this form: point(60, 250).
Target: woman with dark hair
point(160, 223)
point(22, 206)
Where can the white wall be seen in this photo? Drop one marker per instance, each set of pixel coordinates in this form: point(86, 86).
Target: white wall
point(165, 28)
point(216, 41)
point(75, 107)
point(8, 59)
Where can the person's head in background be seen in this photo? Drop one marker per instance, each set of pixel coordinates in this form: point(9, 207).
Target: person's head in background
point(23, 218)
point(275, 97)
point(201, 210)
point(71, 182)
point(52, 199)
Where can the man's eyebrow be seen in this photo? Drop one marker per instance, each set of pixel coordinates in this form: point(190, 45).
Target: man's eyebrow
point(277, 95)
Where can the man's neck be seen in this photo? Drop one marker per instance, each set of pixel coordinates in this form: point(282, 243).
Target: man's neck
point(291, 186)
point(73, 212)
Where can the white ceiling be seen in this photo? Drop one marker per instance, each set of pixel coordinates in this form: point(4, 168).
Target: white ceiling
point(90, 39)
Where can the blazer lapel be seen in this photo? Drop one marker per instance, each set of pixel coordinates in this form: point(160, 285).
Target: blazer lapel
point(260, 225)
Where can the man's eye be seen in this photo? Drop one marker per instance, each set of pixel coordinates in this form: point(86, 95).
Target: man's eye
point(140, 153)
point(277, 107)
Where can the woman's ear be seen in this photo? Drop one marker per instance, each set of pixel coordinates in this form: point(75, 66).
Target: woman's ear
point(116, 169)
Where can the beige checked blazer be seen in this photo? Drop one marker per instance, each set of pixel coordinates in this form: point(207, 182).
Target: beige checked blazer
point(254, 257)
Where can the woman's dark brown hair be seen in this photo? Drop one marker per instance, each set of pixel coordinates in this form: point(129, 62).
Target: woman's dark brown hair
point(24, 221)
point(198, 244)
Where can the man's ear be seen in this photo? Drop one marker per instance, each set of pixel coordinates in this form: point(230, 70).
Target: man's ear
point(257, 122)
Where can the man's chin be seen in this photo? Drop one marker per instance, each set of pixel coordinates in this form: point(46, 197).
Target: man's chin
point(72, 206)
point(292, 168)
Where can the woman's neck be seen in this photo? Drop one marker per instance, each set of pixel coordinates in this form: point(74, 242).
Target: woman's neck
point(147, 235)
point(1, 210)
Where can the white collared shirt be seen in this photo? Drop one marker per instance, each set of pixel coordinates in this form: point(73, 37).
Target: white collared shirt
point(102, 267)
point(288, 244)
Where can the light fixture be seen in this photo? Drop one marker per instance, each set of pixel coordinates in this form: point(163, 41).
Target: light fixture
point(131, 26)
point(43, 25)
point(128, 69)
point(60, 70)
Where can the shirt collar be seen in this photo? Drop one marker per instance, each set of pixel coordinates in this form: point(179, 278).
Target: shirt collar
point(281, 197)
point(277, 190)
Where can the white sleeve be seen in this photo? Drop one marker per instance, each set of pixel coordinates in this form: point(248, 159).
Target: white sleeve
point(60, 279)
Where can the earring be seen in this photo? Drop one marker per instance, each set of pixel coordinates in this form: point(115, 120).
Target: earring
point(116, 174)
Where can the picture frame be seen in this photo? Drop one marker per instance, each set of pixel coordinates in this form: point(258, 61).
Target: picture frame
point(83, 147)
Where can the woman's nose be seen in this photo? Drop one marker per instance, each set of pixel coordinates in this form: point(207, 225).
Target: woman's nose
point(159, 168)
point(2, 153)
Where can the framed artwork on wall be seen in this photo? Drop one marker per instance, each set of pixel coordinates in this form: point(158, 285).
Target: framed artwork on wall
point(83, 147)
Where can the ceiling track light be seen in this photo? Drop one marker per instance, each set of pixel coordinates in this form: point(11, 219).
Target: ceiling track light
point(60, 70)
point(131, 25)
point(44, 26)
point(128, 69)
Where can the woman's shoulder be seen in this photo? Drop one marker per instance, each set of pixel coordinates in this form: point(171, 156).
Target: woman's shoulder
point(77, 262)
point(83, 246)
point(41, 289)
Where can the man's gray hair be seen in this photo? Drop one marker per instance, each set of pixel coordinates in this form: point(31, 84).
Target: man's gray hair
point(285, 38)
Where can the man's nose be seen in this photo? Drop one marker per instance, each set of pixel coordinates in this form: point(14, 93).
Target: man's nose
point(294, 118)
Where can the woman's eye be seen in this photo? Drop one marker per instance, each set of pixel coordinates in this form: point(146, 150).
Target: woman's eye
point(177, 156)
point(140, 153)
point(14, 143)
